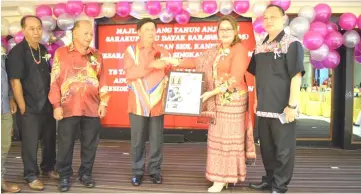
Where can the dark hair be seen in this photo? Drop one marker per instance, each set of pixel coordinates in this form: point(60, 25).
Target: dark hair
point(23, 20)
point(234, 24)
point(278, 7)
point(143, 21)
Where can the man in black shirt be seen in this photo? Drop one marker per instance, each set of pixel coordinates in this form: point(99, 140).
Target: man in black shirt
point(29, 73)
point(277, 63)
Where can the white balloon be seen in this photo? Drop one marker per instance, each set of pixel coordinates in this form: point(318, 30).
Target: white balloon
point(4, 27)
point(14, 28)
point(26, 10)
point(259, 8)
point(108, 10)
point(49, 23)
point(226, 7)
point(307, 12)
point(194, 7)
point(351, 38)
point(299, 26)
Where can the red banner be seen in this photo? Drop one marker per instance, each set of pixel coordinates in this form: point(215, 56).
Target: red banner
point(181, 40)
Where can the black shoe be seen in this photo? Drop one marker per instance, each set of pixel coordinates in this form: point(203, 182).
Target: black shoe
point(137, 180)
point(261, 186)
point(64, 185)
point(275, 192)
point(87, 181)
point(156, 178)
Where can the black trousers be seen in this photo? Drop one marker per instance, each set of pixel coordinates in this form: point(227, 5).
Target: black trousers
point(35, 127)
point(141, 129)
point(89, 138)
point(278, 147)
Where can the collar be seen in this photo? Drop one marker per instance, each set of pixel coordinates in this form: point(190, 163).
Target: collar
point(277, 39)
point(72, 48)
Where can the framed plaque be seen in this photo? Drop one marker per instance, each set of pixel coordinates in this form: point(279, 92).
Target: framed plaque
point(183, 93)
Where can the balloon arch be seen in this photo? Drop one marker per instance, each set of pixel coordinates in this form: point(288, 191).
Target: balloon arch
point(312, 26)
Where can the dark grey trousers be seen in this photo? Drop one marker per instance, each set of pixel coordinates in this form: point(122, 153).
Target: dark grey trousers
point(143, 128)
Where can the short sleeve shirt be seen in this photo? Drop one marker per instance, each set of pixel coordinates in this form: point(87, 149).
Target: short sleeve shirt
point(274, 64)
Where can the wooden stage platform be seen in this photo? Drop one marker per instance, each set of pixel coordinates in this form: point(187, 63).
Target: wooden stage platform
point(317, 170)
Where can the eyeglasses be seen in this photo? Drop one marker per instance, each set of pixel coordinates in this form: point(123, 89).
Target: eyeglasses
point(226, 30)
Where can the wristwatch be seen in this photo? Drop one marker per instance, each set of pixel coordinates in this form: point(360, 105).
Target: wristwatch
point(293, 107)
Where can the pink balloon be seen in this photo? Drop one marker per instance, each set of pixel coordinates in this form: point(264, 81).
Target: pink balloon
point(359, 21)
point(52, 48)
point(182, 17)
point(359, 46)
point(358, 59)
point(43, 10)
point(241, 6)
point(59, 9)
point(319, 27)
point(153, 7)
point(59, 34)
point(284, 4)
point(174, 7)
point(19, 37)
point(313, 40)
point(323, 12)
point(74, 7)
point(4, 42)
point(332, 60)
point(331, 26)
point(334, 40)
point(347, 21)
point(92, 9)
point(316, 64)
point(123, 9)
point(209, 6)
point(258, 25)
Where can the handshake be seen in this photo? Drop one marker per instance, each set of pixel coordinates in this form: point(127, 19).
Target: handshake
point(164, 61)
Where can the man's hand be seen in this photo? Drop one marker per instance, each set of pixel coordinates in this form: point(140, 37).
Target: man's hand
point(58, 113)
point(206, 96)
point(158, 64)
point(102, 110)
point(290, 114)
point(22, 109)
point(13, 106)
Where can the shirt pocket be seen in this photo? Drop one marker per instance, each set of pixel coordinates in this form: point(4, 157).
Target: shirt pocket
point(278, 65)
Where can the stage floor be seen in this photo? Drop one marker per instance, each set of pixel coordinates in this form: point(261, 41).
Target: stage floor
point(316, 170)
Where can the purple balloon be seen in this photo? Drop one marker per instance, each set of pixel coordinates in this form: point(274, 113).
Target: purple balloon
point(174, 6)
point(359, 46)
point(334, 40)
point(92, 9)
point(123, 9)
point(59, 34)
point(313, 40)
point(323, 12)
point(332, 60)
point(358, 59)
point(284, 4)
point(319, 27)
point(359, 21)
point(59, 9)
point(182, 17)
point(258, 26)
point(316, 64)
point(43, 10)
point(209, 6)
point(74, 7)
point(347, 21)
point(52, 48)
point(241, 6)
point(153, 7)
point(357, 52)
point(4, 42)
point(331, 26)
point(19, 37)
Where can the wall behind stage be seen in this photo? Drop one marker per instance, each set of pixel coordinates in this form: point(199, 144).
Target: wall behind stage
point(181, 40)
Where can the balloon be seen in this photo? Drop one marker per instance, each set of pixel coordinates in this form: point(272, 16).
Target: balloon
point(359, 46)
point(351, 38)
point(65, 21)
point(59, 34)
point(313, 40)
point(307, 12)
point(332, 60)
point(331, 27)
point(323, 12)
point(45, 39)
point(49, 23)
point(92, 9)
point(4, 26)
point(153, 7)
point(182, 17)
point(19, 37)
point(316, 64)
point(26, 9)
point(359, 21)
point(320, 53)
point(299, 26)
point(14, 28)
point(319, 27)
point(59, 9)
point(259, 8)
point(226, 7)
point(334, 40)
point(241, 6)
point(284, 4)
point(11, 44)
point(357, 52)
point(4, 42)
point(74, 7)
point(194, 7)
point(174, 6)
point(209, 7)
point(108, 10)
point(165, 16)
point(123, 9)
point(358, 59)
point(52, 48)
point(43, 10)
point(258, 26)
point(347, 21)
